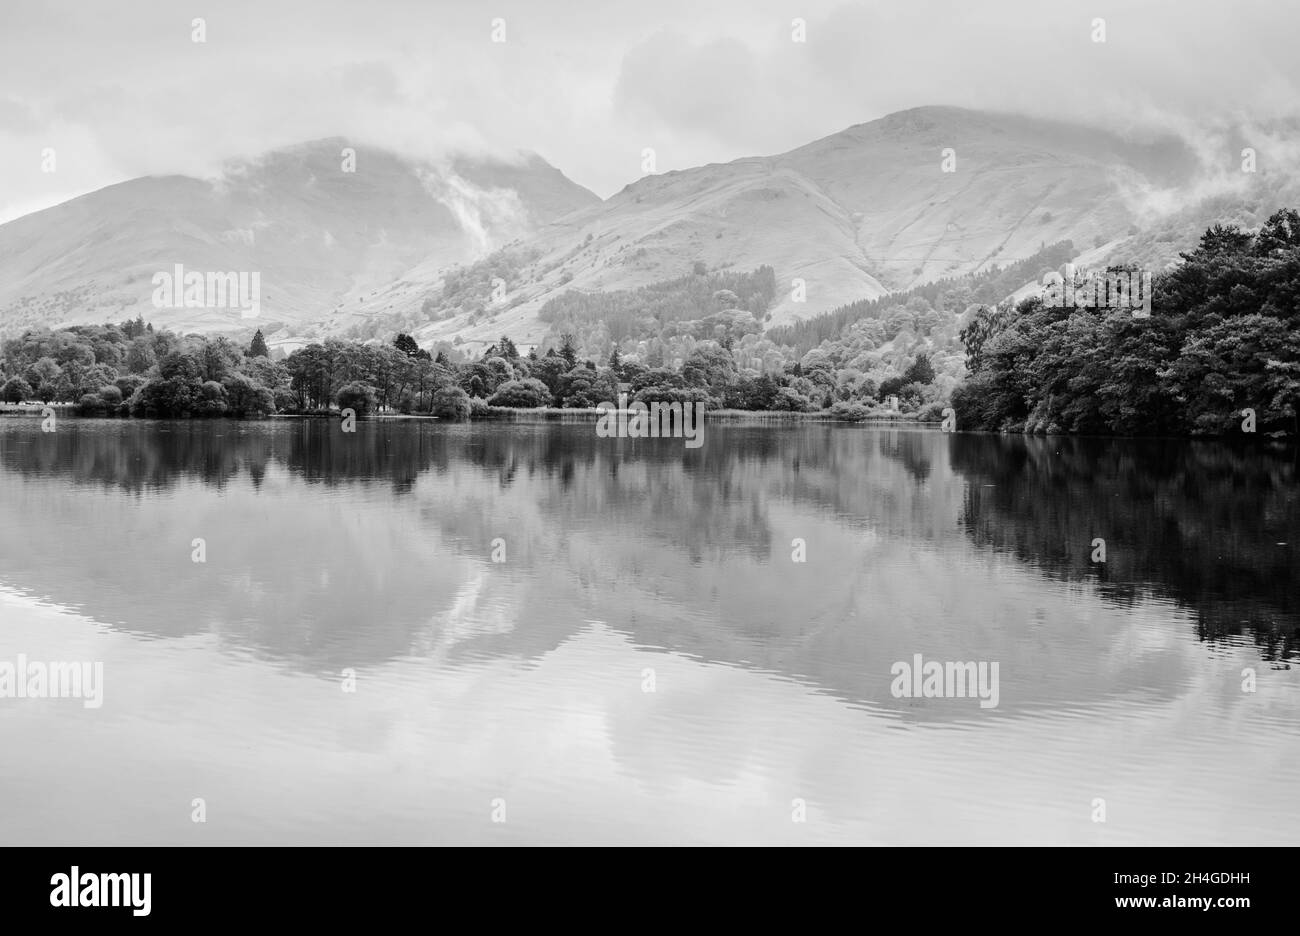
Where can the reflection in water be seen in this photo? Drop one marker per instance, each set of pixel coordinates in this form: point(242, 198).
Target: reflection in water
point(1215, 529)
point(372, 551)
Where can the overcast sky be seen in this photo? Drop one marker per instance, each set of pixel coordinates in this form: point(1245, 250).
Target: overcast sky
point(120, 89)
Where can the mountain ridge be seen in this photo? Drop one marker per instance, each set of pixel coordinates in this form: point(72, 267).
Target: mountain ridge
point(471, 249)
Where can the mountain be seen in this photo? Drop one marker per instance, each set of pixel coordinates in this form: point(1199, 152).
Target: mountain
point(854, 215)
point(320, 237)
point(474, 249)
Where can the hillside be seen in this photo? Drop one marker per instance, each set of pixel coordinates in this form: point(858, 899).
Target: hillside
point(854, 215)
point(472, 250)
point(320, 237)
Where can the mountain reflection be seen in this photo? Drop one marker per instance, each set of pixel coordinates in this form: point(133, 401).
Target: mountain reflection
point(327, 550)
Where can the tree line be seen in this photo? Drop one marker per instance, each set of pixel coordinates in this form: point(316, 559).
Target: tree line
point(1223, 339)
point(133, 369)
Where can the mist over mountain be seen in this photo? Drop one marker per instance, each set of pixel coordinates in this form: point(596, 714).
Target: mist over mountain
point(320, 236)
point(852, 216)
point(912, 197)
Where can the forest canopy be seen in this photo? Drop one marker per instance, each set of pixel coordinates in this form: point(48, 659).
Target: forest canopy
point(1223, 338)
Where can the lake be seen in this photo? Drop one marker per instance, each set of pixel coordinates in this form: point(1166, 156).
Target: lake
point(521, 633)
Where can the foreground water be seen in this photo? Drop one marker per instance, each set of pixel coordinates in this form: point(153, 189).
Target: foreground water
point(648, 663)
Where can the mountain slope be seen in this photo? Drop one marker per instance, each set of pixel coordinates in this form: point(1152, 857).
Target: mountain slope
point(854, 215)
point(319, 236)
point(472, 250)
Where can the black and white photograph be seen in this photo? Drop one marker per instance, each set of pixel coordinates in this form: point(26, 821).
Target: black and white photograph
point(731, 423)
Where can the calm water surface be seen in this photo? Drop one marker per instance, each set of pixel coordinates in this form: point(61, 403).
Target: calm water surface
point(639, 564)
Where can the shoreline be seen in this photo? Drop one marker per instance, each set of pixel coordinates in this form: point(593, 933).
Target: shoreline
point(567, 415)
point(494, 414)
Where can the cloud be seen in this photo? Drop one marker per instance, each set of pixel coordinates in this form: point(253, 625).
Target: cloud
point(589, 88)
point(1209, 73)
point(489, 216)
point(706, 88)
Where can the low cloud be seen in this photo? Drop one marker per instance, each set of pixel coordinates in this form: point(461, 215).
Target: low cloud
point(589, 88)
point(490, 217)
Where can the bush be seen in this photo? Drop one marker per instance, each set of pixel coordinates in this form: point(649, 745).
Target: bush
point(521, 394)
point(853, 412)
point(792, 400)
point(658, 393)
point(932, 412)
point(359, 397)
point(90, 405)
point(451, 403)
point(479, 409)
point(107, 401)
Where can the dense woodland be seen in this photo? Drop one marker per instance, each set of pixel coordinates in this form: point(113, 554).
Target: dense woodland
point(1224, 337)
point(956, 294)
point(735, 304)
point(705, 345)
point(133, 369)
